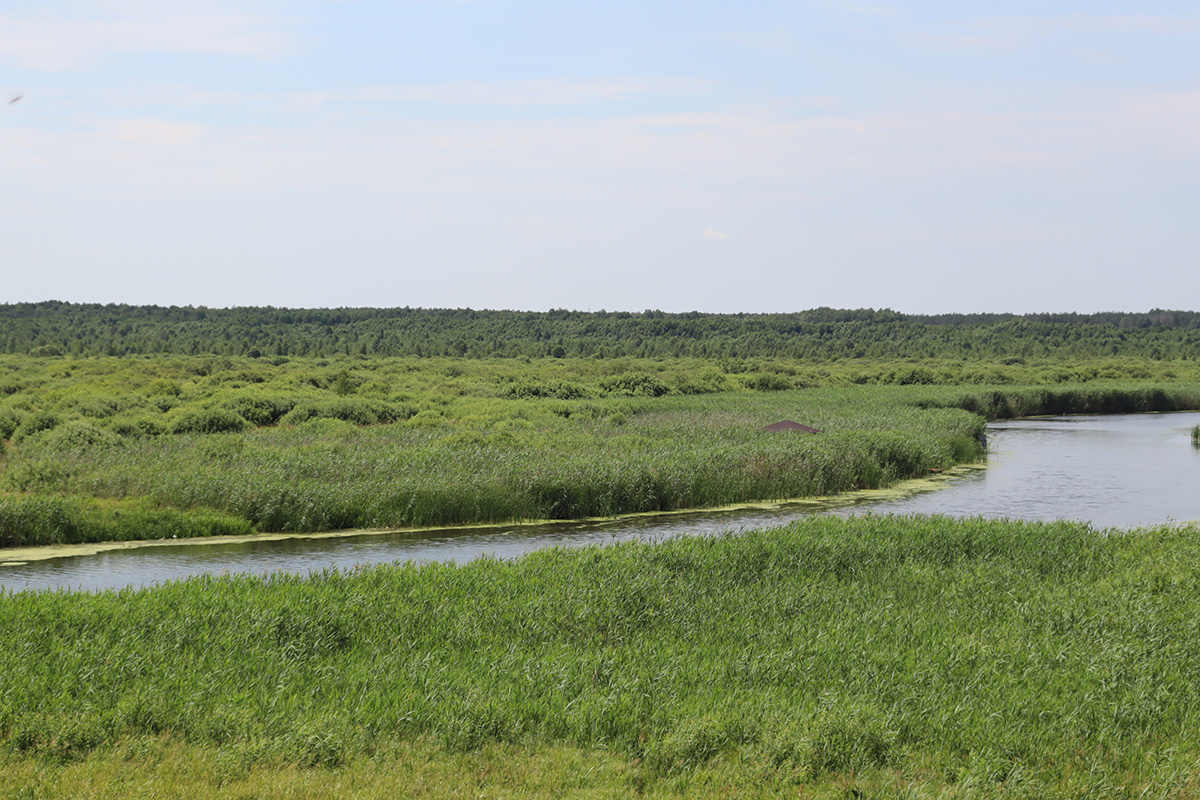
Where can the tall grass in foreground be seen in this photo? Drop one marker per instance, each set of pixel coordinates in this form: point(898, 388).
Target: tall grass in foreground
point(1196, 435)
point(983, 652)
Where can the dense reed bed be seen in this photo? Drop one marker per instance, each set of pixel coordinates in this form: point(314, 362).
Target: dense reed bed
point(1095, 398)
point(40, 518)
point(521, 461)
point(1019, 659)
point(103, 449)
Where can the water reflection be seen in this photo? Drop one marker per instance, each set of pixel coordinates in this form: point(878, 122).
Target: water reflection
point(1113, 471)
point(1119, 471)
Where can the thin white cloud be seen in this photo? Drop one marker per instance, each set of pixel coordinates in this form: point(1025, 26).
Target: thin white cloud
point(1016, 33)
point(769, 150)
point(860, 9)
point(775, 40)
point(57, 42)
point(1167, 26)
point(535, 92)
point(710, 233)
point(1097, 56)
point(604, 92)
point(1165, 125)
point(151, 131)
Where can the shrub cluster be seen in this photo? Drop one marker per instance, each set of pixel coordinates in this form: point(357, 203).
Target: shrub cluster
point(358, 410)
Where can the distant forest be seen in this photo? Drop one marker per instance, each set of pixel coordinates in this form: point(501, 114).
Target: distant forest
point(58, 328)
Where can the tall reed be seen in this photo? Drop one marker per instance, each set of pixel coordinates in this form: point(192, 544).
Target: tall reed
point(511, 460)
point(982, 652)
point(316, 444)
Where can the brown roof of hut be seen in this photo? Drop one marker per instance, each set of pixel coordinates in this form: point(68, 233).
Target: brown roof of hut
point(788, 425)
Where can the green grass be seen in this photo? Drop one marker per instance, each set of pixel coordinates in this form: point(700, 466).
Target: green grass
point(522, 461)
point(153, 766)
point(1196, 435)
point(28, 520)
point(1035, 659)
point(102, 448)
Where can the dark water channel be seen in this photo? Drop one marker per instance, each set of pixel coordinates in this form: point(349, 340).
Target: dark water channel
point(1113, 471)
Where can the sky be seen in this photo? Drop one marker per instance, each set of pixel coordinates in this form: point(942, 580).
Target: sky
point(761, 156)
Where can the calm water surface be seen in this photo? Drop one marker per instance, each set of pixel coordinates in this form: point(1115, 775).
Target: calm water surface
point(1113, 471)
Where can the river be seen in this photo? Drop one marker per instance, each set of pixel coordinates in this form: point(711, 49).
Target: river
point(1112, 471)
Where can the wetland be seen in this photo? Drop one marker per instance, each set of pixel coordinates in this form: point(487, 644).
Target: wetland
point(1107, 470)
point(1028, 630)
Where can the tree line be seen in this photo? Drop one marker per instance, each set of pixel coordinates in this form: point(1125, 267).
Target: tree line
point(59, 328)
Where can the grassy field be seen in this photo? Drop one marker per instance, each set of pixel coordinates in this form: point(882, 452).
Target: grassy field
point(873, 657)
point(894, 657)
point(118, 448)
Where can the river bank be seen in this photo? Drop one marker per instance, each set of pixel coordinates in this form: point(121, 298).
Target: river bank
point(833, 653)
point(1117, 471)
point(16, 556)
point(503, 460)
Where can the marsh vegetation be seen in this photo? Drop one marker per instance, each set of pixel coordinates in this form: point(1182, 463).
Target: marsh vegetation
point(110, 449)
point(904, 657)
point(1011, 658)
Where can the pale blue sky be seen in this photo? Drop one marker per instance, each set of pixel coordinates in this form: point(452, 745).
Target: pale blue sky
point(755, 156)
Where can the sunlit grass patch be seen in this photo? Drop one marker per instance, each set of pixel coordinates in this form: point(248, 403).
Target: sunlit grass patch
point(37, 519)
point(502, 460)
point(296, 445)
point(970, 655)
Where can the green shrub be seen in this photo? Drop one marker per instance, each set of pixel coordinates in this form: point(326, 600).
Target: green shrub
point(260, 410)
point(10, 419)
point(359, 410)
point(210, 420)
point(345, 384)
point(561, 390)
point(35, 423)
point(910, 377)
point(77, 435)
point(146, 425)
point(707, 382)
point(766, 382)
point(59, 741)
point(164, 388)
point(98, 407)
point(634, 384)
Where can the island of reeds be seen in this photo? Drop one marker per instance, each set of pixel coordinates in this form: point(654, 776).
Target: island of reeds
point(886, 657)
